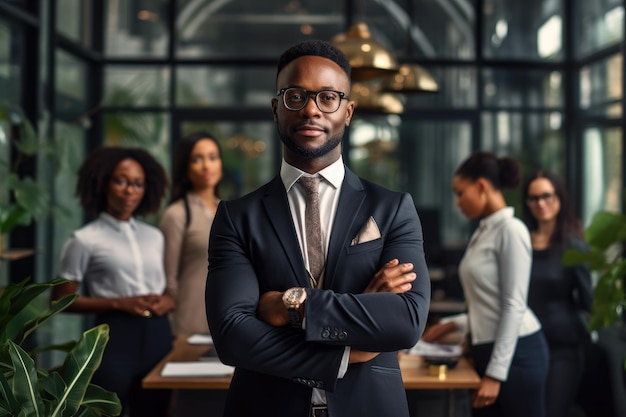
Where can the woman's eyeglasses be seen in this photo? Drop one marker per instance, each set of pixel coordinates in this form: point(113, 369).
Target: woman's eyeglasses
point(535, 199)
point(125, 182)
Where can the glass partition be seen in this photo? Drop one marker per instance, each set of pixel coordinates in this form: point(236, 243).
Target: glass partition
point(598, 24)
point(73, 19)
point(140, 86)
point(437, 29)
point(601, 87)
point(536, 140)
point(522, 88)
point(250, 29)
point(530, 29)
point(602, 171)
point(136, 28)
point(223, 86)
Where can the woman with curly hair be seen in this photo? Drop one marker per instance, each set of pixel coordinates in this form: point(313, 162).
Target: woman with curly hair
point(186, 224)
point(116, 262)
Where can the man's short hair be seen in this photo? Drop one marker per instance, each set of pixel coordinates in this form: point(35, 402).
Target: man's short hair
point(314, 48)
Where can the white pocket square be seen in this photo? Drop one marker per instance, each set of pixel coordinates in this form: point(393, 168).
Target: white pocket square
point(368, 232)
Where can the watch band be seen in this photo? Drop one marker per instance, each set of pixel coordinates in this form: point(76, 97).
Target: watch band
point(294, 318)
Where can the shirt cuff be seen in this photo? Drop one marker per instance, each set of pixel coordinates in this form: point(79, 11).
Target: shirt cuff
point(343, 368)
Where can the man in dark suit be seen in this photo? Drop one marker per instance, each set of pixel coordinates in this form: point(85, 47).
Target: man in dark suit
point(304, 342)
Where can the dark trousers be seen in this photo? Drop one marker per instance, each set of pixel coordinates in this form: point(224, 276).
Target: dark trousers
point(135, 346)
point(523, 393)
point(564, 376)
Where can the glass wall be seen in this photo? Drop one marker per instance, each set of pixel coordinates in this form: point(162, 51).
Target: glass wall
point(603, 171)
point(599, 23)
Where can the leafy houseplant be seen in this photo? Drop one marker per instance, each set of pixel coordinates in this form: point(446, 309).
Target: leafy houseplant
point(606, 235)
point(26, 390)
point(27, 200)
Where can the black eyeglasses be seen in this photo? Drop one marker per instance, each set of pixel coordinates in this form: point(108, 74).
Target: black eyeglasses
point(535, 199)
point(328, 101)
point(125, 182)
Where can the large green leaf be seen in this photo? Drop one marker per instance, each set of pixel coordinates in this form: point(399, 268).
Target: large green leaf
point(66, 391)
point(8, 404)
point(101, 402)
point(24, 383)
point(61, 347)
point(11, 216)
point(595, 258)
point(32, 197)
point(606, 229)
point(55, 307)
point(78, 368)
point(20, 315)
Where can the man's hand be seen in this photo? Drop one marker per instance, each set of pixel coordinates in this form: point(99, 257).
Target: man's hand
point(272, 310)
point(392, 277)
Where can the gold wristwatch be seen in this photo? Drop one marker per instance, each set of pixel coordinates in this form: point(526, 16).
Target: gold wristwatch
point(293, 299)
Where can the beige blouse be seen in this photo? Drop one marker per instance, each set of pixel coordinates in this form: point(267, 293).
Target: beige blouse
point(186, 262)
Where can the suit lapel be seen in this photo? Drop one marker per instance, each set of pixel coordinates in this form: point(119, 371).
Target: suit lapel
point(279, 215)
point(350, 201)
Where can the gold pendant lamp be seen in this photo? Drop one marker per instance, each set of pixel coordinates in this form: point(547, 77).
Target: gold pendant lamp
point(410, 78)
point(368, 58)
point(367, 95)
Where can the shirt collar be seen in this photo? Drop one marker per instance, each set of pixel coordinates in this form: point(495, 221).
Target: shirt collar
point(497, 217)
point(117, 224)
point(334, 174)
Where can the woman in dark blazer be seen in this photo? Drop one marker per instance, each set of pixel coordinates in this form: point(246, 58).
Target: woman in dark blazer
point(560, 296)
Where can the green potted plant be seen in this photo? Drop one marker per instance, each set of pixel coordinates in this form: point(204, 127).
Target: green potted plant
point(65, 391)
point(26, 199)
point(606, 236)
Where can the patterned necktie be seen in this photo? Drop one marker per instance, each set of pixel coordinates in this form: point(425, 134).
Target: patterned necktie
point(313, 228)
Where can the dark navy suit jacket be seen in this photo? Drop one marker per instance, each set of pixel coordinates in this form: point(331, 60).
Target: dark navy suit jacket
point(253, 248)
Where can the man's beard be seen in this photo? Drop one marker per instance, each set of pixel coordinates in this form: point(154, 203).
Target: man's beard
point(307, 153)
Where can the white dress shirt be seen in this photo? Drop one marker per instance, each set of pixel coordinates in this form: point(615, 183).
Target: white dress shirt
point(331, 179)
point(495, 274)
point(117, 258)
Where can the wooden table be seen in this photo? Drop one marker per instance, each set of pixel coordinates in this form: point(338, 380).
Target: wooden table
point(415, 374)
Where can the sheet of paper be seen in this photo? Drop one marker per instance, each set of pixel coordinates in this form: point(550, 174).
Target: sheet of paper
point(436, 350)
point(196, 369)
point(200, 339)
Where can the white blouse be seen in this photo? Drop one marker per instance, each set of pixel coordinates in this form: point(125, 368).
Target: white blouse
point(115, 258)
point(495, 274)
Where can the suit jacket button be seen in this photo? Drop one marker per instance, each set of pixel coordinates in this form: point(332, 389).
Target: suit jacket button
point(326, 333)
point(310, 383)
point(343, 335)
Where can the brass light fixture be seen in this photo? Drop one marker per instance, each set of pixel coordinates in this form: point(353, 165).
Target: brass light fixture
point(367, 95)
point(410, 78)
point(368, 58)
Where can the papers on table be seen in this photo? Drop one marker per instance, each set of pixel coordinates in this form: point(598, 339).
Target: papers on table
point(196, 369)
point(200, 339)
point(436, 350)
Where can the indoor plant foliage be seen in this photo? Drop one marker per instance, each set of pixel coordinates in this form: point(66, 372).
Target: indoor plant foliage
point(606, 235)
point(27, 200)
point(26, 390)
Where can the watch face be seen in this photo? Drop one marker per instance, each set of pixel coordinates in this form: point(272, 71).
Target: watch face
point(294, 296)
